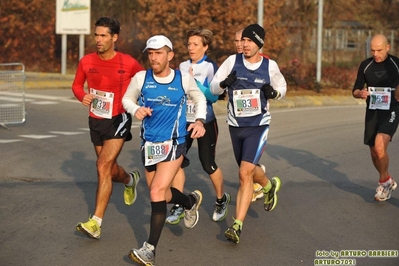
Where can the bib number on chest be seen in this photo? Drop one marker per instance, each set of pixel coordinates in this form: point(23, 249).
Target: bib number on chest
point(246, 102)
point(190, 111)
point(380, 98)
point(102, 104)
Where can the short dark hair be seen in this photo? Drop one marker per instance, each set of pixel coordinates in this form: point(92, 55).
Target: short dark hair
point(112, 24)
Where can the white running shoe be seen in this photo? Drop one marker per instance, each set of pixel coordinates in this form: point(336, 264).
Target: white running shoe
point(144, 255)
point(263, 167)
point(191, 216)
point(221, 211)
point(384, 191)
point(176, 213)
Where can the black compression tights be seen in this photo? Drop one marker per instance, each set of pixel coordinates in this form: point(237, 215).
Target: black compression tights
point(206, 146)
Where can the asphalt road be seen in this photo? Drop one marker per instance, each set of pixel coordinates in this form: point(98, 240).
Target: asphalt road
point(48, 183)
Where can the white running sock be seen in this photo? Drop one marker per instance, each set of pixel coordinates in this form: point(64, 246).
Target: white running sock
point(130, 181)
point(97, 219)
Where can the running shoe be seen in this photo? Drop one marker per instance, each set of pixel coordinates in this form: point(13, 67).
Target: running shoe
point(89, 228)
point(263, 167)
point(271, 196)
point(221, 211)
point(176, 213)
point(144, 255)
point(384, 191)
point(258, 193)
point(233, 233)
point(191, 216)
point(130, 193)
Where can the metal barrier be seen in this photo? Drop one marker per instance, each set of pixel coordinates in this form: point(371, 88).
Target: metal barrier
point(12, 93)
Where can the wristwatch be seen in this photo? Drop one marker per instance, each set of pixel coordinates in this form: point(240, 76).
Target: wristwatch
point(203, 121)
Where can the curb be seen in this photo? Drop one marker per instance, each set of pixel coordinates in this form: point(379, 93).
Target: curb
point(34, 80)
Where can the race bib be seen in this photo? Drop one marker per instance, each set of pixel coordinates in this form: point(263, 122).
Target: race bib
point(102, 104)
point(380, 98)
point(156, 152)
point(246, 102)
point(190, 111)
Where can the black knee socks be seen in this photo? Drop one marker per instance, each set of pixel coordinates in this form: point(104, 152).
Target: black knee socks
point(158, 217)
point(182, 199)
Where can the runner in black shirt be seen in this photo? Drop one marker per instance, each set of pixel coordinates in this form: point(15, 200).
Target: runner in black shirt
point(380, 74)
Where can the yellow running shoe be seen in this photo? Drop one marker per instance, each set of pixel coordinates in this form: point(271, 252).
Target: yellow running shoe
point(233, 233)
point(89, 228)
point(258, 193)
point(271, 196)
point(130, 193)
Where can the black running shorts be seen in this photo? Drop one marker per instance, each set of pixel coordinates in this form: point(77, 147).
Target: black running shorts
point(118, 127)
point(380, 121)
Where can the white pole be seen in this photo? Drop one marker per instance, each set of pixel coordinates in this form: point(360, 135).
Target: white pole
point(260, 13)
point(319, 41)
point(260, 16)
point(81, 45)
point(63, 53)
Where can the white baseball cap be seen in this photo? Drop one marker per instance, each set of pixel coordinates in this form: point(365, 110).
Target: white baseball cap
point(157, 42)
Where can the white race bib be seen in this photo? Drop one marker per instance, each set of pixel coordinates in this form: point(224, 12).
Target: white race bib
point(156, 152)
point(380, 98)
point(246, 102)
point(190, 111)
point(102, 104)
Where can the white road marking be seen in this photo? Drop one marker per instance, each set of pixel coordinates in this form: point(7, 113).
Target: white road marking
point(31, 95)
point(10, 105)
point(14, 99)
point(65, 133)
point(37, 136)
point(44, 103)
point(9, 140)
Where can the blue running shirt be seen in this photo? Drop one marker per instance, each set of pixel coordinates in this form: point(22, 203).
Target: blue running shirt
point(168, 102)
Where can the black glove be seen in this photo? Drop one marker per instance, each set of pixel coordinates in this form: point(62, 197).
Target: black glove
point(231, 78)
point(269, 92)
